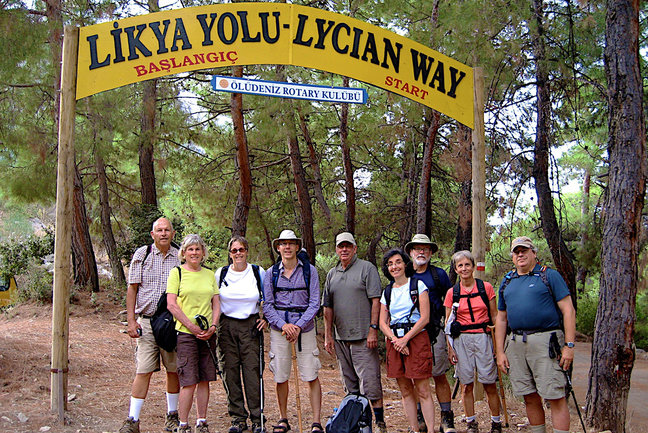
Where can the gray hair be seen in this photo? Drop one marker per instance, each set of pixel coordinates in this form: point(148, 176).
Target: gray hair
point(157, 221)
point(464, 254)
point(193, 239)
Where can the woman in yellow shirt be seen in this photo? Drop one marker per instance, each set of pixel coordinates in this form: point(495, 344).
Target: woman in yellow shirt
point(192, 291)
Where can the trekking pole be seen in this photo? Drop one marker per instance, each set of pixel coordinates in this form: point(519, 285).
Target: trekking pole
point(501, 383)
point(555, 352)
point(296, 372)
point(456, 389)
point(204, 324)
point(261, 354)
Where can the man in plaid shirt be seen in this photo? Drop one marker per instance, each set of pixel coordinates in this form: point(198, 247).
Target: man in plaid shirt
point(147, 279)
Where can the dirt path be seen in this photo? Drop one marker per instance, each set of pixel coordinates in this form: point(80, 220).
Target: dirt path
point(101, 371)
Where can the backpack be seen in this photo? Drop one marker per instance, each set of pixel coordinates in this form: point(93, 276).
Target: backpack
point(255, 271)
point(353, 415)
point(437, 310)
point(163, 322)
point(432, 327)
point(303, 256)
point(481, 292)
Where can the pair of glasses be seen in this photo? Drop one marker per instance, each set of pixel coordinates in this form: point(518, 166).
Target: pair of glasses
point(238, 250)
point(286, 243)
point(421, 249)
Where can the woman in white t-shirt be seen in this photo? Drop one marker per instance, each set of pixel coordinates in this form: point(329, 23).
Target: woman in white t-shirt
point(240, 340)
point(409, 353)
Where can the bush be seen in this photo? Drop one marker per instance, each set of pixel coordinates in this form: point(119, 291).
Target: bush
point(641, 324)
point(35, 284)
point(586, 313)
point(16, 255)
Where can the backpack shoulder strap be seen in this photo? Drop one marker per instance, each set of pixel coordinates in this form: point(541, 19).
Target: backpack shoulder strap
point(456, 291)
point(275, 278)
point(481, 289)
point(223, 273)
point(179, 277)
point(257, 275)
point(414, 294)
point(435, 277)
point(148, 251)
point(388, 290)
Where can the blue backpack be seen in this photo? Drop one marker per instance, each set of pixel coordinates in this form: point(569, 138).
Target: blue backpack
point(352, 416)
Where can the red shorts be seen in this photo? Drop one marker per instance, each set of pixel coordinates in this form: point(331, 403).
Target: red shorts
point(417, 365)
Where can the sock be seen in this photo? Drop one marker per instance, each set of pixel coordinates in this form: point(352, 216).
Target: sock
point(470, 418)
point(182, 424)
point(172, 401)
point(560, 431)
point(200, 421)
point(446, 407)
point(379, 413)
point(497, 418)
point(135, 408)
point(537, 428)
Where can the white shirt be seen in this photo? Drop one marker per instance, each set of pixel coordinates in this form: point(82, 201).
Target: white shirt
point(401, 303)
point(239, 293)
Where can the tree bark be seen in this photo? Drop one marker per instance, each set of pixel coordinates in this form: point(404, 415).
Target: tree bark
point(85, 264)
point(613, 350)
point(424, 207)
point(314, 163)
point(242, 209)
point(581, 274)
point(409, 180)
point(147, 139)
point(562, 257)
point(349, 186)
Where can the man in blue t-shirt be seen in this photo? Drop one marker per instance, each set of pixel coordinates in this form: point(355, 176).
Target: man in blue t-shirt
point(535, 303)
point(420, 249)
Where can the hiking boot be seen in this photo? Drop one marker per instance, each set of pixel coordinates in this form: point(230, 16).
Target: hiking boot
point(238, 427)
point(256, 428)
point(172, 421)
point(382, 427)
point(496, 427)
point(447, 422)
point(472, 427)
point(130, 426)
point(421, 421)
point(184, 428)
point(203, 427)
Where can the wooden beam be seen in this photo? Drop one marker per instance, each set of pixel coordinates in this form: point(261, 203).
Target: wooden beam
point(63, 233)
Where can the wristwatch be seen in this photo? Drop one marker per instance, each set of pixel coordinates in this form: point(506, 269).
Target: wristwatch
point(569, 344)
point(374, 326)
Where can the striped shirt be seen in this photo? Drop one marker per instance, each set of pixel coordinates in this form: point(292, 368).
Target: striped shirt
point(151, 275)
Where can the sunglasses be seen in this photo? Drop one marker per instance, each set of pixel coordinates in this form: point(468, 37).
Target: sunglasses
point(238, 250)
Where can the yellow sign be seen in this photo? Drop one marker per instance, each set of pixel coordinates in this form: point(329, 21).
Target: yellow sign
point(139, 48)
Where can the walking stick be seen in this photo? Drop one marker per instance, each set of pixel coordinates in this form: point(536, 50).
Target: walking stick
point(296, 373)
point(501, 384)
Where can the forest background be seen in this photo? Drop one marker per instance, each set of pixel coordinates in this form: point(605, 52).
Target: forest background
point(218, 164)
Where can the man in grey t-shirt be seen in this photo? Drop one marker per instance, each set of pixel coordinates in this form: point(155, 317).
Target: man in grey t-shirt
point(351, 302)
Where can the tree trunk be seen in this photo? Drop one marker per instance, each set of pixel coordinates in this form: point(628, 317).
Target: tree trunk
point(581, 275)
point(85, 264)
point(408, 179)
point(562, 257)
point(424, 207)
point(349, 186)
point(242, 209)
point(314, 163)
point(299, 177)
point(147, 139)
point(373, 247)
point(613, 348)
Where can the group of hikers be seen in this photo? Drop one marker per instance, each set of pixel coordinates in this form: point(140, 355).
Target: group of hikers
point(427, 324)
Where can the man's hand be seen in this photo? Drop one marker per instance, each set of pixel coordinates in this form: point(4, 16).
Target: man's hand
point(372, 339)
point(503, 362)
point(567, 357)
point(291, 332)
point(133, 328)
point(329, 345)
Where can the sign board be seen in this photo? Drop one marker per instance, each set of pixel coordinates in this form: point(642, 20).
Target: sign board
point(129, 50)
point(289, 90)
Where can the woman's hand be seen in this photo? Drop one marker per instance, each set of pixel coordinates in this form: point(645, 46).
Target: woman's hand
point(207, 334)
point(452, 355)
point(400, 344)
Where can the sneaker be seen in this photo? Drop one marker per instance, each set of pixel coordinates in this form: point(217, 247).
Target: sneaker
point(184, 428)
point(130, 426)
point(203, 427)
point(472, 427)
point(172, 421)
point(496, 427)
point(447, 422)
point(421, 421)
point(382, 427)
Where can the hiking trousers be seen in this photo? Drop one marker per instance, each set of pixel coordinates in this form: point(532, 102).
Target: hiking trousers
point(238, 345)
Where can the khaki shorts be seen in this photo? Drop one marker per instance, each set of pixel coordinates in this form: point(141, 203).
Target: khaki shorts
point(281, 357)
point(531, 368)
point(360, 368)
point(441, 361)
point(475, 352)
point(148, 353)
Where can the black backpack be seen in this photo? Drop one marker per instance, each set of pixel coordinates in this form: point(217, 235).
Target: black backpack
point(352, 416)
point(481, 292)
point(163, 322)
point(437, 294)
point(433, 326)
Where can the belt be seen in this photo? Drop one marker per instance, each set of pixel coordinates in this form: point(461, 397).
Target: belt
point(251, 316)
point(525, 332)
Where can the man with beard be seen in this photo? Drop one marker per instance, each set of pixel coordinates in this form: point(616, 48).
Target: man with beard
point(420, 249)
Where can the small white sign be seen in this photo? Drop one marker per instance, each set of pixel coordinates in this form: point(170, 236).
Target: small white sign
point(289, 90)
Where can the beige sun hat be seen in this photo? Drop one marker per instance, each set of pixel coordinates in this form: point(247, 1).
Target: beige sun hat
point(287, 235)
point(344, 237)
point(421, 239)
point(523, 241)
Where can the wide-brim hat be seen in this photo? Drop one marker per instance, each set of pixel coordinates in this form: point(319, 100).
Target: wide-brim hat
point(522, 241)
point(421, 239)
point(287, 235)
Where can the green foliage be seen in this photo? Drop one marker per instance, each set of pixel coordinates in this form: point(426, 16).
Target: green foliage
point(35, 283)
point(16, 255)
point(641, 324)
point(586, 312)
